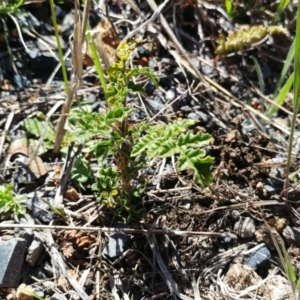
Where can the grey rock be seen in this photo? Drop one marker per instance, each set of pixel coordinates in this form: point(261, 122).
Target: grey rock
point(192, 116)
point(33, 53)
point(248, 127)
point(11, 261)
point(277, 175)
point(117, 245)
point(156, 104)
point(57, 296)
point(40, 209)
point(208, 68)
point(227, 240)
point(198, 115)
point(186, 108)
point(48, 270)
point(203, 117)
point(58, 10)
point(34, 250)
point(152, 64)
point(165, 81)
point(150, 88)
point(28, 20)
point(39, 293)
point(258, 258)
point(245, 227)
point(170, 95)
point(292, 235)
point(142, 51)
point(273, 186)
point(21, 81)
point(68, 21)
point(26, 233)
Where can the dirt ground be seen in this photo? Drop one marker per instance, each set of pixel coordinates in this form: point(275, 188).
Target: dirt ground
point(190, 243)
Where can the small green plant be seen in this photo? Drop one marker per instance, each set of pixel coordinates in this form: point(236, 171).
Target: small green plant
point(230, 9)
point(280, 8)
point(286, 264)
point(122, 150)
point(166, 140)
point(10, 6)
point(10, 202)
point(296, 102)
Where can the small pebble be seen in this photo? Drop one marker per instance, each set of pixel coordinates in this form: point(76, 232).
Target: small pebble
point(245, 227)
point(152, 64)
point(258, 258)
point(170, 95)
point(260, 186)
point(192, 116)
point(150, 88)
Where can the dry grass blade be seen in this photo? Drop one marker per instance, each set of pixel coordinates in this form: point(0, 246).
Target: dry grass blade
point(116, 284)
point(182, 51)
point(58, 261)
point(6, 128)
point(164, 271)
point(125, 230)
point(69, 163)
point(76, 76)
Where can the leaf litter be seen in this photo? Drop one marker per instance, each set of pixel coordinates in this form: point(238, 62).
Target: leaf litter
point(190, 243)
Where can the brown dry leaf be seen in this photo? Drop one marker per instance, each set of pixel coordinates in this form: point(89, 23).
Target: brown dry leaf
point(280, 224)
point(38, 167)
point(85, 241)
point(67, 249)
point(78, 238)
point(70, 234)
point(19, 146)
point(14, 32)
point(240, 277)
point(63, 283)
point(231, 136)
point(6, 86)
point(25, 292)
point(71, 194)
point(106, 43)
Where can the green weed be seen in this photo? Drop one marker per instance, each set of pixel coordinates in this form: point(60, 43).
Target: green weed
point(10, 202)
point(10, 6)
point(123, 151)
point(119, 147)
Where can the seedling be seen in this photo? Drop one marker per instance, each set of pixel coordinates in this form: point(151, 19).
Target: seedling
point(10, 202)
point(119, 147)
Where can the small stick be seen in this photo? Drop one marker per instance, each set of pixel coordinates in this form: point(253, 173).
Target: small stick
point(124, 230)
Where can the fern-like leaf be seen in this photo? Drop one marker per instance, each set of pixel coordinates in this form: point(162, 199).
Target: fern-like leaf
point(195, 159)
point(167, 140)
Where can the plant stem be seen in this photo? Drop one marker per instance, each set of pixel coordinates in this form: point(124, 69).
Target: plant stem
point(96, 59)
point(60, 53)
point(295, 104)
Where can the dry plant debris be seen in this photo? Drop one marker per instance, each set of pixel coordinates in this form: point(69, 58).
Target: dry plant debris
point(189, 243)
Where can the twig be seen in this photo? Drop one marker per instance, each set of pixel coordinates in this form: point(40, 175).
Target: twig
point(57, 259)
point(165, 273)
point(183, 52)
point(6, 128)
point(124, 230)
